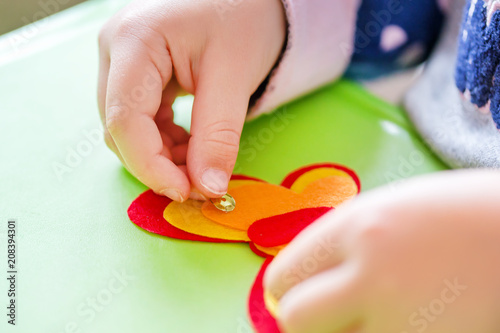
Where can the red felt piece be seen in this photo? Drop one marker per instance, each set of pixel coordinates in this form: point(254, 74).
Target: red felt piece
point(281, 229)
point(258, 252)
point(262, 320)
point(292, 177)
point(147, 213)
point(243, 177)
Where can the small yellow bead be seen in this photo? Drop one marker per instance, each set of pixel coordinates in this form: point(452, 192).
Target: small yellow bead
point(226, 203)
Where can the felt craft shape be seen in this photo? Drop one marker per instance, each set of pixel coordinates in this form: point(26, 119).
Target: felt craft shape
point(147, 213)
point(262, 320)
point(281, 229)
point(266, 216)
point(262, 200)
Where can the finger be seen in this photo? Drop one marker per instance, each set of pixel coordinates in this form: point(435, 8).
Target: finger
point(314, 250)
point(102, 83)
point(219, 110)
point(179, 154)
point(101, 95)
point(174, 137)
point(325, 303)
point(177, 135)
point(195, 194)
point(104, 63)
point(134, 95)
point(165, 116)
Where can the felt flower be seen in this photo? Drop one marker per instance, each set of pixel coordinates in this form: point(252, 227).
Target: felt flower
point(267, 216)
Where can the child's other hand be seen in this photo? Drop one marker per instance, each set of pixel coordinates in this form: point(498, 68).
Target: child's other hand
point(421, 258)
point(152, 51)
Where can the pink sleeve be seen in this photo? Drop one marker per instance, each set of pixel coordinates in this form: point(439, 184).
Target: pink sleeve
point(319, 47)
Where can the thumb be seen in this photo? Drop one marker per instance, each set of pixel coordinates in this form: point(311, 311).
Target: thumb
point(219, 110)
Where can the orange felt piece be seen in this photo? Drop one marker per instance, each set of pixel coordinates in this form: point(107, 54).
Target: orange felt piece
point(262, 200)
point(258, 252)
point(187, 216)
point(331, 191)
point(291, 178)
point(309, 177)
point(272, 251)
point(253, 203)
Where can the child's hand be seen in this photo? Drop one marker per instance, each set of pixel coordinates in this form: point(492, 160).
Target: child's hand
point(153, 51)
point(422, 258)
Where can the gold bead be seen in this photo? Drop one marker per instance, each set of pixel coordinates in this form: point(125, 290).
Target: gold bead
point(225, 204)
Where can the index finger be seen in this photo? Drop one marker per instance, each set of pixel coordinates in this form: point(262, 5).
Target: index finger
point(134, 92)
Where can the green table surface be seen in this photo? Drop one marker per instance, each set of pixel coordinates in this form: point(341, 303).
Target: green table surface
point(82, 265)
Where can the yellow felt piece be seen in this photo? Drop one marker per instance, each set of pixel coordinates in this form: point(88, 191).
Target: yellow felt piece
point(331, 191)
point(307, 178)
point(272, 251)
point(258, 201)
point(187, 216)
point(254, 202)
point(271, 303)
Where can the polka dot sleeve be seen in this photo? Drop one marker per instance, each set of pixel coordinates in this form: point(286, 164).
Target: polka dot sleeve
point(318, 50)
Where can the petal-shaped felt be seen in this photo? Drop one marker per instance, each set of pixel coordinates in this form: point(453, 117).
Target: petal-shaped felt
point(292, 177)
point(187, 216)
point(254, 203)
point(281, 229)
point(242, 180)
point(331, 191)
point(258, 252)
point(147, 212)
point(270, 251)
point(261, 200)
point(261, 319)
point(243, 177)
point(307, 178)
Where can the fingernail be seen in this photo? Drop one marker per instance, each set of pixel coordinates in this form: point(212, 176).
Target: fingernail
point(197, 196)
point(215, 181)
point(173, 194)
